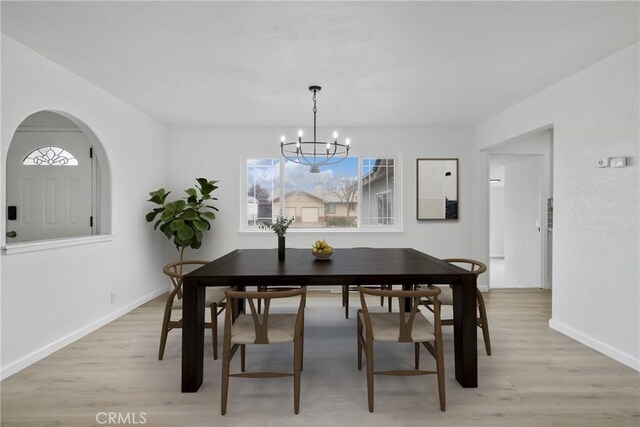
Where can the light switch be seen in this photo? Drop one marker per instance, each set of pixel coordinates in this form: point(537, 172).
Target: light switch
point(617, 162)
point(602, 163)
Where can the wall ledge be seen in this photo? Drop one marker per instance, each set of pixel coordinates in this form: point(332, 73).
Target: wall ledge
point(624, 358)
point(43, 245)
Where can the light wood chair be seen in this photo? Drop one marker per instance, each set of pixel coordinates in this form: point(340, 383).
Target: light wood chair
point(446, 298)
point(401, 327)
point(262, 328)
point(214, 299)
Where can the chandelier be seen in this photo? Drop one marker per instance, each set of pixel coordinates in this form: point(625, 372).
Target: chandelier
point(314, 153)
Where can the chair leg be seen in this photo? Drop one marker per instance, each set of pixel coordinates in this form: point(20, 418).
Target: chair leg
point(416, 355)
point(359, 334)
point(165, 330)
point(484, 324)
point(440, 368)
point(369, 347)
point(297, 367)
point(242, 357)
point(226, 362)
point(214, 329)
point(345, 292)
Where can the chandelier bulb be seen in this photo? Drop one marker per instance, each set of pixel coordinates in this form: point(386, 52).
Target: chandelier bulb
point(348, 141)
point(300, 133)
point(335, 135)
point(283, 139)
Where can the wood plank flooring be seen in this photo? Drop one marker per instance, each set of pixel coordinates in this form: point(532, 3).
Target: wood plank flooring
point(536, 377)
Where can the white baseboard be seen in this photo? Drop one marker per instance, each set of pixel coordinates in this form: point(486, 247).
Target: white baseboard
point(48, 349)
point(603, 348)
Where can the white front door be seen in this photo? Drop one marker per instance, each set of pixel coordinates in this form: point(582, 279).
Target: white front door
point(53, 197)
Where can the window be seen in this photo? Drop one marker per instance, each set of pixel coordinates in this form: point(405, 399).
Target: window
point(355, 193)
point(378, 191)
point(263, 183)
point(50, 156)
point(385, 205)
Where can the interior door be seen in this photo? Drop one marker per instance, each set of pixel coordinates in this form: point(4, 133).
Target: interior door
point(522, 220)
point(52, 197)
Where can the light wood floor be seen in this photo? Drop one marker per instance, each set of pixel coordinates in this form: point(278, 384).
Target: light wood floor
point(536, 377)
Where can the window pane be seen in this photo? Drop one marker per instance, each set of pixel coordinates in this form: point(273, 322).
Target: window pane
point(378, 192)
point(50, 156)
point(263, 190)
point(325, 199)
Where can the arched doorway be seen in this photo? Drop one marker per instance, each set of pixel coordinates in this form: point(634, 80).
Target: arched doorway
point(54, 181)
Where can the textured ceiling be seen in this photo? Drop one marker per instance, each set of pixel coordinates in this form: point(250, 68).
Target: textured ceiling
point(380, 63)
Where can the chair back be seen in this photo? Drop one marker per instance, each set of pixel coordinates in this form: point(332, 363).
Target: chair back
point(406, 320)
point(175, 271)
point(261, 320)
point(468, 264)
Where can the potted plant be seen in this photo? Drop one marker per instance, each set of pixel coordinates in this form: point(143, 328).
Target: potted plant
point(184, 220)
point(279, 226)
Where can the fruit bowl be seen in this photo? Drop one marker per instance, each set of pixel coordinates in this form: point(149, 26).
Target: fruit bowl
point(321, 250)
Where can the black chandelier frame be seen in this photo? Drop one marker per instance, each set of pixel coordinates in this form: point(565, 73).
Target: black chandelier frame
point(315, 154)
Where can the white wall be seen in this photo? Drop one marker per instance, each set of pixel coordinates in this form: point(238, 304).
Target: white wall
point(215, 153)
point(51, 297)
point(594, 113)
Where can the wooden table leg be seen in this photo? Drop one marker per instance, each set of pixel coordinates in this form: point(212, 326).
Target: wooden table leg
point(192, 335)
point(465, 331)
point(407, 301)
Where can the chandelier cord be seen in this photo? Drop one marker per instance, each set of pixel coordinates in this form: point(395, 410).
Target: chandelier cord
point(315, 110)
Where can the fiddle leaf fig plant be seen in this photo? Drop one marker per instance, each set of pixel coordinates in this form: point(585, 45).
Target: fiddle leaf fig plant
point(184, 220)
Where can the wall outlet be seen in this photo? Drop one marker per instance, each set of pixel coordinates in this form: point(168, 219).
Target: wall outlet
point(113, 297)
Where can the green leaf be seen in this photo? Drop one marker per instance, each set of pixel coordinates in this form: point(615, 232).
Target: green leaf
point(189, 214)
point(151, 216)
point(159, 196)
point(196, 244)
point(208, 215)
point(202, 225)
point(191, 192)
point(177, 225)
point(158, 222)
point(167, 215)
point(185, 233)
point(166, 230)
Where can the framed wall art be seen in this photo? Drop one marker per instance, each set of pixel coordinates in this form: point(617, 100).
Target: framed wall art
point(437, 188)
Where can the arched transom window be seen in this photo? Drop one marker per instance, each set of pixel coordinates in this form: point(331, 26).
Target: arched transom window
point(50, 156)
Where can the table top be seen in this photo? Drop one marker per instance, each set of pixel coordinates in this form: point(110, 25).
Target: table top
point(351, 266)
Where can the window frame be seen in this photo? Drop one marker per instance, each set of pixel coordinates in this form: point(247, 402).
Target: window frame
point(360, 228)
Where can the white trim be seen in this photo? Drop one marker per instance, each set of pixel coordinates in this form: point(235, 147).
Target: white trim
point(43, 245)
point(624, 358)
point(329, 230)
point(48, 349)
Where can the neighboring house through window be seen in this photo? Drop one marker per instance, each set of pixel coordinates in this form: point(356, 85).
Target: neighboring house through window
point(355, 193)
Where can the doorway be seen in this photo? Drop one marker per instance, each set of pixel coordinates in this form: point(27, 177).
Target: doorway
point(520, 191)
point(50, 180)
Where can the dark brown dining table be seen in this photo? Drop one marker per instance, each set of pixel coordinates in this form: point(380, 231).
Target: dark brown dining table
point(358, 266)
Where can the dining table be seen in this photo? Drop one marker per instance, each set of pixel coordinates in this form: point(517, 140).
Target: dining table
point(404, 267)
